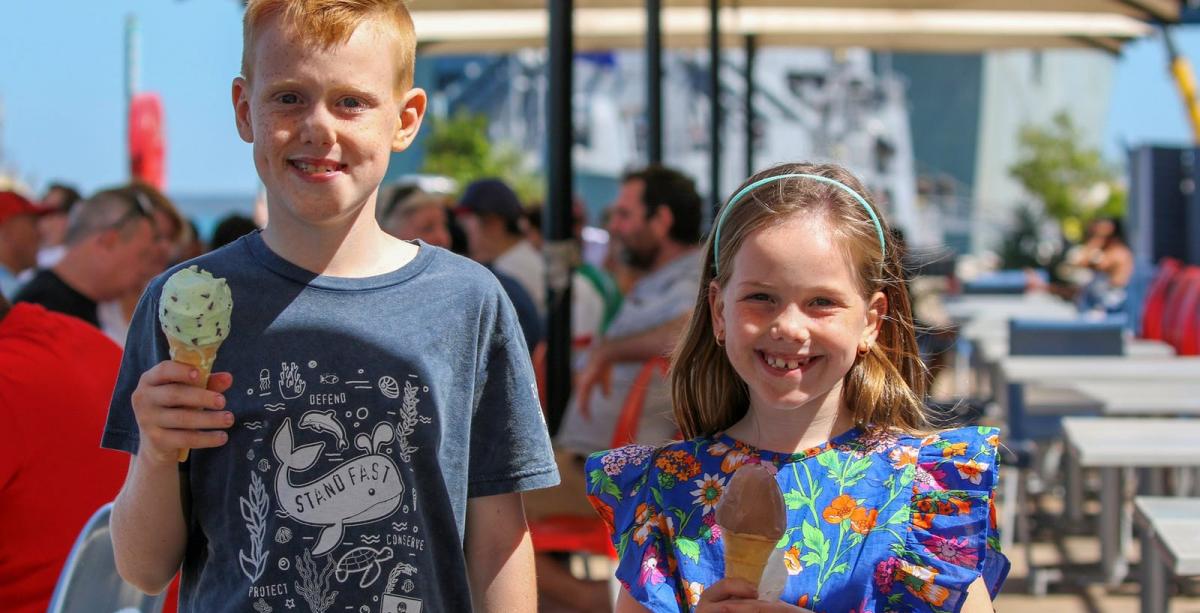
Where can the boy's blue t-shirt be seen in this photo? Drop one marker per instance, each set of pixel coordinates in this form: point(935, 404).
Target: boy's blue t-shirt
point(367, 412)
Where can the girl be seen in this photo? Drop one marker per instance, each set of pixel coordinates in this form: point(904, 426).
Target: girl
point(801, 356)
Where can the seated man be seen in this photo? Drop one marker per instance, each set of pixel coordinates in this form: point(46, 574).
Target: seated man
point(655, 223)
point(111, 246)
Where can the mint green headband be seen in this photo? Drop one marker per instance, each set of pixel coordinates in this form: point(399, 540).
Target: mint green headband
point(761, 182)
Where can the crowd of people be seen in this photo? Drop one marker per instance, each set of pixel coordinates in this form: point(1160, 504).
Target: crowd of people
point(371, 437)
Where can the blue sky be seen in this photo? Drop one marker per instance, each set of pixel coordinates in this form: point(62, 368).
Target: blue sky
point(62, 91)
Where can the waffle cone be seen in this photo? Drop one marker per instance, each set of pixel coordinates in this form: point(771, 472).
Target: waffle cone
point(200, 357)
point(746, 555)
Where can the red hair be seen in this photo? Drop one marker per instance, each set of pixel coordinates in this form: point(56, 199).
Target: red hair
point(325, 23)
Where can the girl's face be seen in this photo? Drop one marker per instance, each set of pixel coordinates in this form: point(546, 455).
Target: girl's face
point(792, 315)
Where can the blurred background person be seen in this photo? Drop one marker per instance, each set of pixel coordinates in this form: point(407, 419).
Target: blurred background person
point(57, 202)
point(111, 248)
point(1107, 255)
point(193, 244)
point(19, 240)
point(230, 228)
point(56, 377)
point(171, 232)
point(598, 288)
point(496, 227)
point(413, 213)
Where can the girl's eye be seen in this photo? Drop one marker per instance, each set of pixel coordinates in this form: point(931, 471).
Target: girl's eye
point(822, 302)
point(758, 297)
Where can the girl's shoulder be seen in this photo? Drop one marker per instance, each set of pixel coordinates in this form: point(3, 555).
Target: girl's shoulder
point(620, 470)
point(958, 458)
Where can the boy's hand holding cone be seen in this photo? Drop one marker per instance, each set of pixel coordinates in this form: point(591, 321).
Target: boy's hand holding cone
point(194, 313)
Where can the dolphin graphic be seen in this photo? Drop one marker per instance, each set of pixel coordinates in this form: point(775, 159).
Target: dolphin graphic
point(324, 421)
point(357, 491)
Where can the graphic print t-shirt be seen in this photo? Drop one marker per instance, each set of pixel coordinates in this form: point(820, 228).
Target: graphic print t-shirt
point(367, 412)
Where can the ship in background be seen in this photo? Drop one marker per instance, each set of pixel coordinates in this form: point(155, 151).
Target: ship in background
point(932, 135)
point(810, 104)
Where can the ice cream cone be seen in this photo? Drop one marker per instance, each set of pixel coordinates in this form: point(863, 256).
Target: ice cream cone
point(753, 519)
point(746, 555)
point(194, 314)
point(201, 358)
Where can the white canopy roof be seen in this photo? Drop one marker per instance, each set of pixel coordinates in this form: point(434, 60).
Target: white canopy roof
point(461, 31)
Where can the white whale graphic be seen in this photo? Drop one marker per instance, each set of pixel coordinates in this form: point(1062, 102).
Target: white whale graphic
point(357, 491)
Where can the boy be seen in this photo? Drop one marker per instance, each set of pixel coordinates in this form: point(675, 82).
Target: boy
point(381, 415)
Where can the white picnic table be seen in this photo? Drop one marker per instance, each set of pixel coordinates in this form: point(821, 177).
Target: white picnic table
point(1115, 446)
point(1170, 529)
point(981, 315)
point(961, 309)
point(1118, 368)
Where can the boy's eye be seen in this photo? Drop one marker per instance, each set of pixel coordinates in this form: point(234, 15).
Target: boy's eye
point(289, 98)
point(353, 104)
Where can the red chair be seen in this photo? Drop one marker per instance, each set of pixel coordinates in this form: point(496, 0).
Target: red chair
point(1180, 324)
point(625, 431)
point(1156, 298)
point(578, 534)
point(538, 357)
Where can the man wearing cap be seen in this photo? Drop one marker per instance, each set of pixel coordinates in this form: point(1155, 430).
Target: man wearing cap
point(19, 239)
point(494, 221)
point(110, 247)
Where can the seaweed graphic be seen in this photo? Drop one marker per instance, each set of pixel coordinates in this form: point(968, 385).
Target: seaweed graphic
point(316, 583)
point(394, 576)
point(409, 418)
point(255, 511)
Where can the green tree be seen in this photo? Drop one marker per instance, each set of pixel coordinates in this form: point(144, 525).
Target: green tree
point(1072, 181)
point(458, 147)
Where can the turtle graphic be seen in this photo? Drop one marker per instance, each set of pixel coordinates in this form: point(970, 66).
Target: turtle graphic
point(365, 560)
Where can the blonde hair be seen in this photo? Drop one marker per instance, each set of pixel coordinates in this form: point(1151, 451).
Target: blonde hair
point(886, 387)
point(325, 23)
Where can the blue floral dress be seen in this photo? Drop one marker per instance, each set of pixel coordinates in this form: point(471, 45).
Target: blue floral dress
point(877, 520)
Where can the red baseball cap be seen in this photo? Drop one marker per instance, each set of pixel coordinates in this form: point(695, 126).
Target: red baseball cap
point(13, 204)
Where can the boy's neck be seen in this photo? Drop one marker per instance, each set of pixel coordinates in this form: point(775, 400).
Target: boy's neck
point(354, 249)
point(795, 430)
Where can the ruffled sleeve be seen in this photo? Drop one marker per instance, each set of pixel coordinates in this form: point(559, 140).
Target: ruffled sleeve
point(953, 540)
point(641, 532)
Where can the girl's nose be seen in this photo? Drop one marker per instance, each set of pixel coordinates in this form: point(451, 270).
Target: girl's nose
point(791, 325)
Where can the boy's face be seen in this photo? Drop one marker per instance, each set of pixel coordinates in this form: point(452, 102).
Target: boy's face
point(324, 122)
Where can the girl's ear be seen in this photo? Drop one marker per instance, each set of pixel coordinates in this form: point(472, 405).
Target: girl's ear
point(876, 312)
point(716, 304)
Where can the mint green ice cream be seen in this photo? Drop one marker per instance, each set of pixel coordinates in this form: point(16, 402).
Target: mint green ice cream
point(195, 307)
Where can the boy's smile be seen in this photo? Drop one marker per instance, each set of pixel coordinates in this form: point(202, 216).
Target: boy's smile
point(317, 170)
point(324, 121)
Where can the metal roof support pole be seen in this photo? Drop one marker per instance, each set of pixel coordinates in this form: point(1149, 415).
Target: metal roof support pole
point(560, 252)
point(654, 128)
point(714, 93)
point(751, 49)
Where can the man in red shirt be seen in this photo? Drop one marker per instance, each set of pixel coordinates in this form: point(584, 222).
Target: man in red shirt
point(56, 378)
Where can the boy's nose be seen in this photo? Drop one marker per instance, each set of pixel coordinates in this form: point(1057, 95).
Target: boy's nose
point(317, 128)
